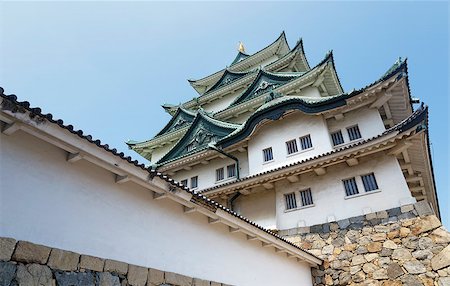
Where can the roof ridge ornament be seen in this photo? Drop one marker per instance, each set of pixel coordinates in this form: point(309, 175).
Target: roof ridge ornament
point(241, 47)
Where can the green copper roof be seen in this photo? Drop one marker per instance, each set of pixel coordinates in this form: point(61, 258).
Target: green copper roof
point(239, 57)
point(228, 77)
point(264, 82)
point(203, 131)
point(181, 118)
point(277, 105)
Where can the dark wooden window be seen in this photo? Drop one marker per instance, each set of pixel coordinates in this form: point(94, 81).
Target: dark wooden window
point(231, 171)
point(194, 182)
point(350, 187)
point(184, 182)
point(353, 133)
point(268, 154)
point(220, 174)
point(305, 142)
point(369, 182)
point(337, 138)
point(190, 147)
point(291, 146)
point(291, 202)
point(306, 197)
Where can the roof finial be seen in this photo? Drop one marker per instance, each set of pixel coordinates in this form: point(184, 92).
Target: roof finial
point(241, 48)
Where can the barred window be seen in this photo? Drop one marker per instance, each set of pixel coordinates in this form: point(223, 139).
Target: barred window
point(369, 182)
point(305, 142)
point(291, 203)
point(337, 138)
point(291, 146)
point(184, 182)
point(350, 187)
point(306, 197)
point(268, 154)
point(219, 174)
point(353, 132)
point(190, 147)
point(231, 171)
point(194, 182)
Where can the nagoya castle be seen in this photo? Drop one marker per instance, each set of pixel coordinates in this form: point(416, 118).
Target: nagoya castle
point(272, 175)
point(280, 142)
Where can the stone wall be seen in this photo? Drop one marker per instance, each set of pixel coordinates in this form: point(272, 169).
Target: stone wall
point(404, 246)
point(28, 264)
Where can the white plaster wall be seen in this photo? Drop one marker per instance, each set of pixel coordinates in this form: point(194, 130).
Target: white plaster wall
point(368, 119)
point(309, 91)
point(275, 134)
point(161, 151)
point(329, 194)
point(222, 103)
point(207, 173)
point(258, 207)
point(78, 207)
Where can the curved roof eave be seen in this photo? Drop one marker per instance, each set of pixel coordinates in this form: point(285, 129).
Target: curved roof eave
point(275, 111)
point(199, 116)
point(413, 121)
point(281, 39)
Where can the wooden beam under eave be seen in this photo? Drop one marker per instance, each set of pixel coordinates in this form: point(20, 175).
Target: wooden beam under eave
point(122, 179)
point(73, 157)
point(157, 196)
point(266, 244)
point(382, 100)
point(417, 190)
point(187, 168)
point(242, 149)
point(244, 192)
point(9, 129)
point(293, 178)
point(339, 116)
point(213, 220)
point(352, 162)
point(268, 186)
point(233, 229)
point(387, 110)
point(406, 156)
point(204, 162)
point(407, 167)
point(188, 210)
point(400, 148)
point(320, 171)
point(251, 237)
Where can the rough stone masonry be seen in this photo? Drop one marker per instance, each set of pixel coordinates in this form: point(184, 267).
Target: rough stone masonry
point(402, 246)
point(27, 264)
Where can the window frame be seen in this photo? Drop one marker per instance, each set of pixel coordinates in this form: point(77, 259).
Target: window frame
point(271, 154)
point(184, 182)
point(196, 181)
point(231, 167)
point(308, 190)
point(356, 185)
point(341, 136)
point(309, 140)
point(357, 128)
point(290, 201)
point(295, 145)
point(220, 172)
point(374, 181)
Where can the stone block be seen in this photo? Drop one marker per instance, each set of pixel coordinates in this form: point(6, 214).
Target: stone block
point(31, 253)
point(201, 282)
point(382, 214)
point(155, 277)
point(6, 248)
point(7, 272)
point(304, 229)
point(442, 259)
point(402, 254)
point(178, 279)
point(316, 228)
point(137, 275)
point(408, 215)
point(423, 208)
point(326, 228)
point(440, 235)
point(74, 278)
point(216, 283)
point(92, 263)
point(444, 281)
point(371, 216)
point(34, 274)
point(394, 270)
point(426, 224)
point(380, 274)
point(107, 279)
point(357, 219)
point(414, 267)
point(406, 208)
point(344, 223)
point(63, 260)
point(394, 212)
point(374, 246)
point(116, 267)
point(379, 236)
point(390, 244)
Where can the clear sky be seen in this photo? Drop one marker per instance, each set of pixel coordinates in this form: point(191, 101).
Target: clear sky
point(106, 67)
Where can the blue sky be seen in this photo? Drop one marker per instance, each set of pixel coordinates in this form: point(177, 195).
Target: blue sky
point(106, 67)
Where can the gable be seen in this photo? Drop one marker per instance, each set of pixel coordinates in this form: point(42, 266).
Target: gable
point(181, 118)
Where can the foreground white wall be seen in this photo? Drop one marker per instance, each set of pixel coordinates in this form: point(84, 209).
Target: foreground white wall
point(260, 207)
point(329, 194)
point(78, 207)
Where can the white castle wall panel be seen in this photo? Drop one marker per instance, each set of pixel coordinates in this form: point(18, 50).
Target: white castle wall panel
point(78, 207)
point(329, 194)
